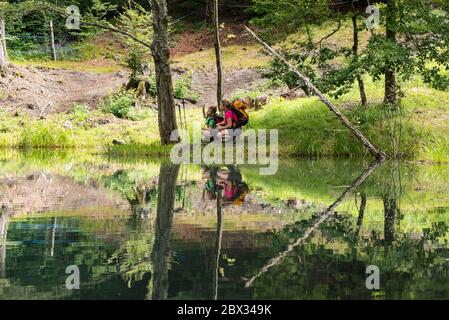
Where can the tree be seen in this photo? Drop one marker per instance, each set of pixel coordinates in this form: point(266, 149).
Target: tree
point(3, 51)
point(415, 42)
point(218, 54)
point(333, 69)
point(159, 49)
point(355, 50)
point(164, 83)
point(390, 71)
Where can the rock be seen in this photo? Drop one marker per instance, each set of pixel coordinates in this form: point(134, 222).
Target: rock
point(104, 121)
point(293, 94)
point(262, 101)
point(117, 142)
point(121, 74)
point(68, 125)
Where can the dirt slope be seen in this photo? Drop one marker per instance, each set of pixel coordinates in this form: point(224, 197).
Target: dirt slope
point(42, 91)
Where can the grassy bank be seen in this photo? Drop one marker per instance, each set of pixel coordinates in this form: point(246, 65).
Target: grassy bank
point(418, 131)
point(306, 129)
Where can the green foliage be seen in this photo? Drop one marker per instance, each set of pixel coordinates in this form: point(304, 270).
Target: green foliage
point(421, 45)
point(182, 88)
point(119, 104)
point(288, 15)
point(152, 87)
point(80, 112)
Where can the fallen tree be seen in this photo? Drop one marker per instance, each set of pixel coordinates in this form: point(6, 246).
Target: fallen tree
point(377, 153)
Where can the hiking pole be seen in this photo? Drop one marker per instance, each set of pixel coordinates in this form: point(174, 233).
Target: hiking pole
point(185, 117)
point(180, 115)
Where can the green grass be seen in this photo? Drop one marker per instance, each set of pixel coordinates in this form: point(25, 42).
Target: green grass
point(139, 150)
point(81, 66)
point(86, 129)
point(45, 135)
point(307, 127)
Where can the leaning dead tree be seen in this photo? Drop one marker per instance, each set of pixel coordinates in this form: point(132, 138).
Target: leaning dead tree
point(322, 217)
point(218, 54)
point(378, 154)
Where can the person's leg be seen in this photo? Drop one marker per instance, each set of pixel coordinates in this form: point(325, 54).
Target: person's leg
point(207, 135)
point(226, 135)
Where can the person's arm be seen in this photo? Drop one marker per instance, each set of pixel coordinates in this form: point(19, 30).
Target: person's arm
point(227, 124)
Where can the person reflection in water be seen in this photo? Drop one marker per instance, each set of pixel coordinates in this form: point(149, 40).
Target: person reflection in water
point(229, 181)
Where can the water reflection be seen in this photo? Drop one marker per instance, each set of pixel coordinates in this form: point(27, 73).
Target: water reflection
point(164, 220)
point(142, 230)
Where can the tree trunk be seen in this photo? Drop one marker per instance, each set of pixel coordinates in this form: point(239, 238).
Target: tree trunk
point(378, 154)
point(390, 73)
point(161, 251)
point(161, 56)
point(52, 40)
point(355, 50)
point(3, 51)
point(218, 55)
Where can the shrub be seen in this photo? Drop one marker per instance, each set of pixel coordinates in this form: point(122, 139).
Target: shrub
point(80, 112)
point(182, 89)
point(119, 104)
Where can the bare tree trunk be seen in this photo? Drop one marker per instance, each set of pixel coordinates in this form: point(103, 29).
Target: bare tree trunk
point(355, 50)
point(52, 40)
point(379, 154)
point(3, 51)
point(161, 56)
point(390, 73)
point(218, 55)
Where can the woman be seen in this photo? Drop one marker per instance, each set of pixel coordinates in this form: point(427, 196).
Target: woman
point(227, 127)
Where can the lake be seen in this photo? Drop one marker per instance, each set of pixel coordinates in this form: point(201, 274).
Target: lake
point(145, 229)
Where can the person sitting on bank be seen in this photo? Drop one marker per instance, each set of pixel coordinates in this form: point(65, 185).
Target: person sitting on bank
point(228, 128)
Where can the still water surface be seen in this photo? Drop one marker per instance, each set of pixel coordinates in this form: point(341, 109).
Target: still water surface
point(148, 230)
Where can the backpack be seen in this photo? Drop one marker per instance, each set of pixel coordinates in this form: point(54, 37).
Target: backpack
point(238, 109)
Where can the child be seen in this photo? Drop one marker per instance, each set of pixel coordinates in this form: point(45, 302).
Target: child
point(211, 116)
point(212, 119)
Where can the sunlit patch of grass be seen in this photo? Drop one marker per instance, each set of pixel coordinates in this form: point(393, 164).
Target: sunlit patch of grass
point(307, 128)
point(234, 57)
point(139, 150)
point(436, 151)
point(38, 134)
point(106, 66)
